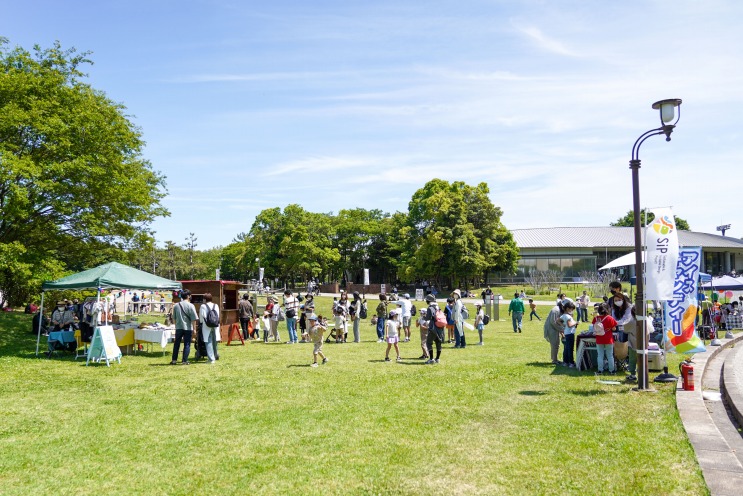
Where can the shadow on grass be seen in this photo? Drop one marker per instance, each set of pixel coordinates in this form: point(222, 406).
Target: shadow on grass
point(533, 393)
point(595, 392)
point(566, 371)
point(305, 365)
point(541, 364)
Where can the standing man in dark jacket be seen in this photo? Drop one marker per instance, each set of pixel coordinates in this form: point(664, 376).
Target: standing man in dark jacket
point(245, 313)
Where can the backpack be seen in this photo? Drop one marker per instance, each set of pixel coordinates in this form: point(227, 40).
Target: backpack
point(440, 319)
point(212, 317)
point(465, 312)
point(413, 310)
point(363, 312)
point(598, 328)
point(485, 320)
point(280, 316)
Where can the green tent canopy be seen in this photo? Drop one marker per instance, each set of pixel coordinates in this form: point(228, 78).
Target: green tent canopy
point(112, 276)
point(107, 276)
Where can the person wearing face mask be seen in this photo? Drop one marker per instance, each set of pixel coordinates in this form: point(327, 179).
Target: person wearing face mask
point(63, 316)
point(623, 312)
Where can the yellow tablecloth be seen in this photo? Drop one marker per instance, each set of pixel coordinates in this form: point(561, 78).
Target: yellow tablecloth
point(124, 337)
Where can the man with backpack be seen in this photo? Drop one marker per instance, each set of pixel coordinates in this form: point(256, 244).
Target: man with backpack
point(436, 326)
point(209, 317)
point(184, 315)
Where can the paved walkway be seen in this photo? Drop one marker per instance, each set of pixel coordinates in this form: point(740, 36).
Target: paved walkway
point(710, 428)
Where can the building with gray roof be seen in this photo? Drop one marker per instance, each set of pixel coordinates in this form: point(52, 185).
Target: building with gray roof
point(572, 250)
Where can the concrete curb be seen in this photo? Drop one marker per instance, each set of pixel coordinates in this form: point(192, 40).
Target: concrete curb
point(721, 469)
point(730, 385)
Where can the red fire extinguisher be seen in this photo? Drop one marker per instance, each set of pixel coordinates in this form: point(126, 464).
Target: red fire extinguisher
point(687, 375)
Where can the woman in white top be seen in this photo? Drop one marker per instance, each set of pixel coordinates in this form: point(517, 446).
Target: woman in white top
point(209, 334)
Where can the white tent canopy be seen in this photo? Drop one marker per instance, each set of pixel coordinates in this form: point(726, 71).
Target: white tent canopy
point(623, 261)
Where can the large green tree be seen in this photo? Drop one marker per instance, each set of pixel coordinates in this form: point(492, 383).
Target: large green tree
point(292, 244)
point(357, 233)
point(455, 233)
point(629, 220)
point(73, 182)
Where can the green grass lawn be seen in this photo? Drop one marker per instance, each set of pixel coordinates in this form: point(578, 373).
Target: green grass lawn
point(493, 419)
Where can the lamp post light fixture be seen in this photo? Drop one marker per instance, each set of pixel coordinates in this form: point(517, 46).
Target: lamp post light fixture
point(667, 111)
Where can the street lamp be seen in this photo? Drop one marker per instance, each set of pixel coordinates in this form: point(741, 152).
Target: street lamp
point(667, 109)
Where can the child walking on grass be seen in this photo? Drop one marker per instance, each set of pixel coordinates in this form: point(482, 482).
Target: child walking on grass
point(480, 321)
point(315, 332)
point(391, 336)
point(533, 307)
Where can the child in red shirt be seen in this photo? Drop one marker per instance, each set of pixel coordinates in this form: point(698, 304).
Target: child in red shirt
point(603, 327)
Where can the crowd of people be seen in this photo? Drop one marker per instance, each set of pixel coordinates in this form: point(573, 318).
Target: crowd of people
point(394, 316)
point(614, 314)
point(393, 319)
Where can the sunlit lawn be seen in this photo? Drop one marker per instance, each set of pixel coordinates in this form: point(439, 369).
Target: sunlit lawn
point(493, 419)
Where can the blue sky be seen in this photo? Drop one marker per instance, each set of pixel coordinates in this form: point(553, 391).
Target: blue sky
point(342, 104)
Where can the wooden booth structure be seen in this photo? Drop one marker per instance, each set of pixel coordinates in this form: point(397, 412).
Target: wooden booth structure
point(225, 293)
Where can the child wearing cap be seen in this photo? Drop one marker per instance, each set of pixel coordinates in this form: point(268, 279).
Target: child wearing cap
point(315, 332)
point(480, 321)
point(391, 336)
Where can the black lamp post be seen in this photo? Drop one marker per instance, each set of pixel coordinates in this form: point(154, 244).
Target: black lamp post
point(666, 109)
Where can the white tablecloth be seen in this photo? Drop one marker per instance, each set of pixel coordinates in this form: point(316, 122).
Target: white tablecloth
point(161, 336)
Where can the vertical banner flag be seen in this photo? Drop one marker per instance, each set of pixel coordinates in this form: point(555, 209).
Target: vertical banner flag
point(366, 277)
point(260, 275)
point(662, 244)
point(681, 310)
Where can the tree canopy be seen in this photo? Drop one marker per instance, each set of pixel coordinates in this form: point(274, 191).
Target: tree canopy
point(73, 183)
point(451, 233)
point(629, 220)
point(455, 232)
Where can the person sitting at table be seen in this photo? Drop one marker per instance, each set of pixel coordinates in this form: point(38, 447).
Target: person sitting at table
point(63, 316)
point(44, 324)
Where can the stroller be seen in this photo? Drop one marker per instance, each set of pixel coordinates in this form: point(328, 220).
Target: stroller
point(200, 345)
point(708, 330)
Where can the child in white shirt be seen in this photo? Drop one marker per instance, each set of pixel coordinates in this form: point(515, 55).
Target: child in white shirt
point(391, 336)
point(569, 325)
point(480, 321)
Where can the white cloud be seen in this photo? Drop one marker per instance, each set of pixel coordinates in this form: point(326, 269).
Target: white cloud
point(543, 41)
